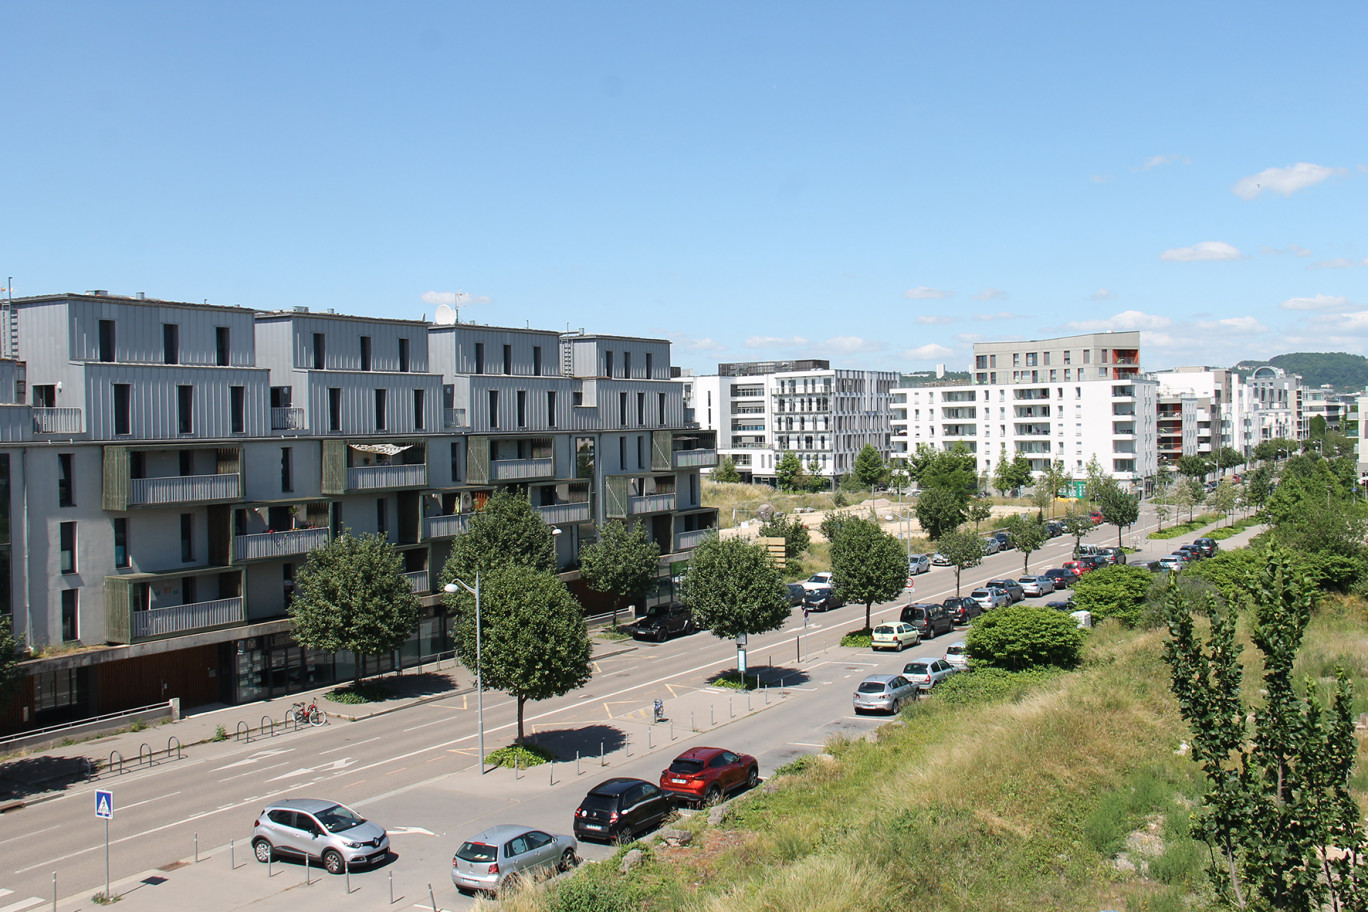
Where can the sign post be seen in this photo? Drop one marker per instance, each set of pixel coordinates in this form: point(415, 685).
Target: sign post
point(104, 809)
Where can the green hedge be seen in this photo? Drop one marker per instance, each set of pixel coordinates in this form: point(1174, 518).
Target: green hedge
point(1186, 528)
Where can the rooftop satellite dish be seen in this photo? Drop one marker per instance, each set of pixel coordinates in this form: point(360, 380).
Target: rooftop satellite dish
point(445, 315)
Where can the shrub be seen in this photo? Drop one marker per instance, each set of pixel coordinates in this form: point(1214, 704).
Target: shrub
point(519, 755)
point(220, 734)
point(364, 692)
point(732, 679)
point(591, 890)
point(1118, 591)
point(989, 684)
point(858, 638)
point(1025, 636)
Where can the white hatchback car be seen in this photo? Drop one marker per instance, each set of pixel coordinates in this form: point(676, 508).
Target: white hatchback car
point(956, 655)
point(894, 635)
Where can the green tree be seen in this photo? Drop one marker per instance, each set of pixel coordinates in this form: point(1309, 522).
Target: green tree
point(1194, 467)
point(977, 512)
point(726, 471)
point(954, 469)
point(1077, 525)
point(1228, 458)
point(1097, 477)
point(1119, 591)
point(533, 642)
point(351, 594)
point(1119, 508)
point(1274, 449)
point(623, 562)
point(1054, 479)
point(1024, 636)
point(10, 655)
point(867, 564)
point(795, 535)
point(831, 524)
point(869, 466)
point(1042, 496)
point(899, 475)
point(734, 588)
point(939, 510)
point(1003, 476)
point(788, 472)
point(812, 479)
point(1223, 499)
point(507, 532)
point(1028, 535)
point(1188, 494)
point(964, 550)
point(1259, 485)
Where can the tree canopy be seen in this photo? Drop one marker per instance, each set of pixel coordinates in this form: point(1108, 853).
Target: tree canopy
point(869, 466)
point(351, 594)
point(963, 550)
point(791, 529)
point(734, 588)
point(939, 510)
point(1024, 636)
point(726, 471)
point(623, 562)
point(1118, 591)
point(867, 564)
point(9, 658)
point(955, 469)
point(1028, 534)
point(1118, 508)
point(507, 532)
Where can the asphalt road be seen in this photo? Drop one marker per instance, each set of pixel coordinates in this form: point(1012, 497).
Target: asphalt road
point(415, 771)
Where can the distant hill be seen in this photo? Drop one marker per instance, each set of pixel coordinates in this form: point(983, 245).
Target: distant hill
point(1345, 372)
point(929, 378)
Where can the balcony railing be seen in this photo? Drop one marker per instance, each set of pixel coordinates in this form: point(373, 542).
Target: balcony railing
point(454, 418)
point(683, 541)
point(289, 543)
point(418, 579)
point(370, 478)
point(692, 459)
point(564, 513)
point(445, 526)
point(178, 489)
point(184, 618)
point(517, 469)
point(651, 503)
point(57, 421)
point(287, 419)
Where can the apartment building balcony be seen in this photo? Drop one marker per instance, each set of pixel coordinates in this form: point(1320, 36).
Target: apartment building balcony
point(959, 397)
point(131, 615)
point(1032, 411)
point(1123, 392)
point(266, 545)
point(159, 622)
point(1031, 394)
point(385, 477)
point(1033, 446)
point(1123, 428)
point(695, 459)
point(148, 477)
point(287, 419)
point(183, 489)
point(651, 503)
point(491, 459)
point(57, 421)
point(1033, 430)
point(558, 514)
point(350, 466)
point(448, 526)
point(1120, 408)
point(634, 495)
point(684, 541)
point(959, 413)
point(959, 430)
point(522, 469)
point(454, 418)
point(1124, 447)
point(418, 580)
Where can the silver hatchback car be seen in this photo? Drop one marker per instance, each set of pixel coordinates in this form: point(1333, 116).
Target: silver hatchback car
point(885, 693)
point(489, 860)
point(310, 828)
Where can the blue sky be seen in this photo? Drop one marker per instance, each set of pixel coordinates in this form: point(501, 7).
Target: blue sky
point(880, 184)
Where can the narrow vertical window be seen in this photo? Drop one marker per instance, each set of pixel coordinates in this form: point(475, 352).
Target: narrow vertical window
point(170, 343)
point(455, 462)
point(70, 615)
point(121, 541)
point(479, 357)
point(622, 451)
point(550, 408)
point(508, 359)
point(189, 590)
point(66, 496)
point(627, 364)
point(641, 409)
point(334, 408)
point(365, 353)
point(381, 516)
point(187, 537)
point(536, 360)
point(221, 337)
point(522, 408)
point(660, 409)
point(237, 408)
point(380, 409)
point(106, 340)
point(403, 356)
point(320, 352)
point(607, 363)
point(649, 372)
point(494, 409)
point(419, 401)
point(286, 469)
point(67, 540)
point(622, 408)
point(185, 403)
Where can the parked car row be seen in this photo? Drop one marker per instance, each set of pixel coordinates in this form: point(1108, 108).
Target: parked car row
point(891, 692)
point(1200, 549)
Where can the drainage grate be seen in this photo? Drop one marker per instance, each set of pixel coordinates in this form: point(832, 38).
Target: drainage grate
point(172, 866)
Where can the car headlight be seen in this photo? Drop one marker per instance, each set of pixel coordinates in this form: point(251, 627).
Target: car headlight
point(353, 845)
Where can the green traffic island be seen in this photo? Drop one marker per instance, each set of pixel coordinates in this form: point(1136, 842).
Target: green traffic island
point(363, 692)
point(519, 756)
point(1235, 528)
point(860, 639)
point(733, 681)
point(1187, 528)
point(613, 633)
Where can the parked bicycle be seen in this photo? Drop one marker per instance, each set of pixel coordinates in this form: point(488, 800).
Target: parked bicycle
point(300, 713)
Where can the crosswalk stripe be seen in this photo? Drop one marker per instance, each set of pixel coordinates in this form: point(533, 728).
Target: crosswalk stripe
point(21, 904)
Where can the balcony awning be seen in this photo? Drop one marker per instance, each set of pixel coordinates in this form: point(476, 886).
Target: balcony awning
point(384, 449)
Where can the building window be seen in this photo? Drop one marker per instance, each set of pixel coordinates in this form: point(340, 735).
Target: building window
point(66, 496)
point(536, 360)
point(123, 423)
point(170, 343)
point(70, 615)
point(1068, 357)
point(522, 408)
point(286, 469)
point(641, 459)
point(189, 590)
point(641, 409)
point(622, 409)
point(185, 409)
point(627, 364)
point(455, 463)
point(494, 409)
point(550, 408)
point(508, 359)
point(649, 372)
point(121, 541)
point(1087, 356)
point(221, 345)
point(479, 357)
point(622, 451)
point(403, 356)
point(237, 408)
point(365, 353)
point(607, 363)
point(67, 539)
point(418, 404)
point(187, 537)
point(107, 340)
point(380, 409)
point(320, 351)
point(334, 408)
point(381, 516)
point(660, 408)
point(584, 457)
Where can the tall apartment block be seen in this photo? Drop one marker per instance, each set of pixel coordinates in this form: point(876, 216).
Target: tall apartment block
point(1071, 400)
point(1203, 409)
point(761, 410)
point(166, 468)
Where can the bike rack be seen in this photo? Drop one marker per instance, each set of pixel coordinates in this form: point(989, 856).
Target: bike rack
point(168, 747)
point(145, 747)
point(268, 724)
point(243, 730)
point(112, 755)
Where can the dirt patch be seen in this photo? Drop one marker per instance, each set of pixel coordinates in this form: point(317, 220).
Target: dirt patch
point(701, 857)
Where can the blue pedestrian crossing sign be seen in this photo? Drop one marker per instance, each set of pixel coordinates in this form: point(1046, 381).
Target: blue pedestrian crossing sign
point(104, 804)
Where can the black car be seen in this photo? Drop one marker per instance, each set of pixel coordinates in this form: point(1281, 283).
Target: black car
point(961, 610)
point(618, 809)
point(928, 618)
point(1004, 539)
point(823, 598)
point(1194, 552)
point(796, 593)
point(1063, 578)
point(1096, 561)
point(1054, 529)
point(1208, 546)
point(664, 621)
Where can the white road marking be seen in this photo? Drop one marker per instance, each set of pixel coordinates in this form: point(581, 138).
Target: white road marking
point(22, 904)
point(124, 807)
point(25, 836)
point(256, 771)
point(333, 750)
point(426, 724)
point(255, 758)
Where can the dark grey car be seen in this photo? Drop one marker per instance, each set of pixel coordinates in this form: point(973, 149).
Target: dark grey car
point(330, 832)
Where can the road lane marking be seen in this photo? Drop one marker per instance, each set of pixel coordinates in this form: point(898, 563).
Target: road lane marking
point(125, 807)
point(333, 750)
point(22, 904)
point(25, 836)
point(426, 724)
point(255, 771)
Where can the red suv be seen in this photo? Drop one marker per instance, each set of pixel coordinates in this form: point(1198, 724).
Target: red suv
point(703, 775)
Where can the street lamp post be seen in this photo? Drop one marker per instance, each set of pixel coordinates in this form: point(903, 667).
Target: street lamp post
point(456, 585)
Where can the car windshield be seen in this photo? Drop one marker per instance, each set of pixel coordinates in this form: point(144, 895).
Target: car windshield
point(915, 668)
point(820, 592)
point(1027, 579)
point(338, 818)
point(979, 593)
point(687, 766)
point(872, 687)
point(883, 629)
point(476, 852)
point(955, 651)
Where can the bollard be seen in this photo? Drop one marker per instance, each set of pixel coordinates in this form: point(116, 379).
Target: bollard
point(307, 872)
point(765, 692)
point(391, 880)
point(602, 762)
point(731, 713)
point(432, 899)
point(649, 746)
point(691, 723)
point(197, 848)
point(346, 866)
point(517, 767)
point(798, 646)
point(552, 771)
point(712, 719)
point(232, 857)
point(578, 771)
point(54, 891)
point(748, 702)
point(270, 865)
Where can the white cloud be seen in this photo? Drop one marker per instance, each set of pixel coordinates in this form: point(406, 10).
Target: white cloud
point(849, 344)
point(1207, 250)
point(1000, 315)
point(1294, 249)
point(928, 352)
point(1283, 180)
point(1338, 263)
point(1357, 321)
point(454, 298)
point(969, 338)
point(775, 342)
point(1154, 161)
point(923, 293)
point(1240, 325)
point(1102, 294)
point(1100, 179)
point(1319, 302)
point(1125, 321)
point(991, 294)
point(935, 319)
point(690, 344)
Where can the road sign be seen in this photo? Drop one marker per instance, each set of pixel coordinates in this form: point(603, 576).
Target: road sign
point(104, 804)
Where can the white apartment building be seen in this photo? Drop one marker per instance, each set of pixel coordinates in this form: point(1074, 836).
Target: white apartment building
point(1278, 396)
point(826, 416)
point(1071, 400)
point(1202, 409)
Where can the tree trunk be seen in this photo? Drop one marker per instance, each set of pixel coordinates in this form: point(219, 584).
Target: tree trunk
point(867, 607)
point(522, 701)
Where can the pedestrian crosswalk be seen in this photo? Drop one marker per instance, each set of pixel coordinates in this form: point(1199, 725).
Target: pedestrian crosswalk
point(20, 905)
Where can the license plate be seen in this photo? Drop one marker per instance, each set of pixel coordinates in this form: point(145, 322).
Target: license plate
point(678, 781)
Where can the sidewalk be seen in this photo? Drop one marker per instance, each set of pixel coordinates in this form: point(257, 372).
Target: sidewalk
point(42, 774)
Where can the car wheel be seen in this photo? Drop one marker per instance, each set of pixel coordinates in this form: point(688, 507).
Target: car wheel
point(661, 635)
point(332, 861)
point(567, 860)
point(752, 778)
point(620, 836)
point(263, 850)
point(897, 706)
point(713, 795)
